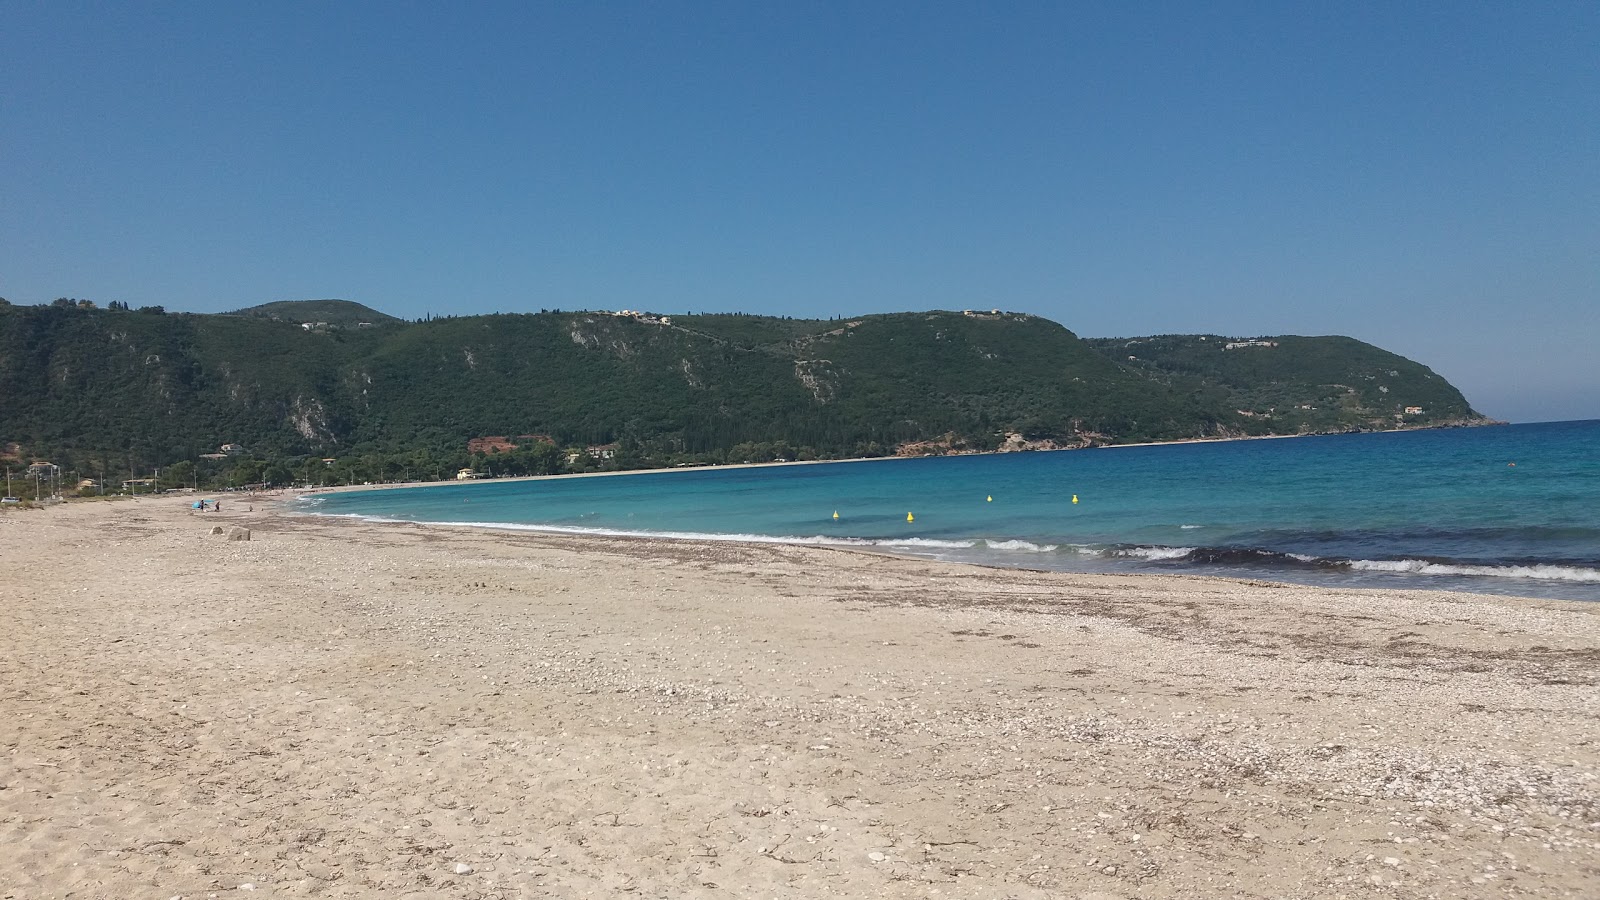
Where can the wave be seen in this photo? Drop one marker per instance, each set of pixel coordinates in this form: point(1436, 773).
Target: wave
point(725, 537)
point(1194, 558)
point(596, 531)
point(899, 542)
point(1022, 546)
point(1520, 535)
point(1151, 553)
point(1543, 571)
point(1255, 557)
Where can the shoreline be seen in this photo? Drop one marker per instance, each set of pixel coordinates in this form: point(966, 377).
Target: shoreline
point(275, 504)
point(1514, 586)
point(349, 488)
point(1195, 557)
point(707, 543)
point(867, 459)
point(408, 711)
point(1491, 584)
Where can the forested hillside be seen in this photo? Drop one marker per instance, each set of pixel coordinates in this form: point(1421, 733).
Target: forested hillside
point(338, 380)
point(338, 313)
point(1290, 384)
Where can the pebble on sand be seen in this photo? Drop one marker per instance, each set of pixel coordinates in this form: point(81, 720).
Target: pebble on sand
point(463, 869)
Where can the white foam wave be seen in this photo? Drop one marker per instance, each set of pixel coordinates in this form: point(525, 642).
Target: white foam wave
point(1546, 572)
point(925, 542)
point(1423, 567)
point(1022, 546)
point(827, 540)
point(1154, 553)
point(359, 517)
point(1190, 527)
point(623, 532)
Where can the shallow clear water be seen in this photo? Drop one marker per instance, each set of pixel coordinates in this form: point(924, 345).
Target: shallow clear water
point(1424, 509)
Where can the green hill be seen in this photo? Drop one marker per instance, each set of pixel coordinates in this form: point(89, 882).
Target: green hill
point(1287, 384)
point(115, 384)
point(338, 313)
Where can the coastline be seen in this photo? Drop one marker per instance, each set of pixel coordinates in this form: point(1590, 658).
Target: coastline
point(867, 459)
point(374, 708)
point(515, 478)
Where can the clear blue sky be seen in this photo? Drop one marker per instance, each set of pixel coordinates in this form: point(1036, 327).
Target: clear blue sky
point(1422, 176)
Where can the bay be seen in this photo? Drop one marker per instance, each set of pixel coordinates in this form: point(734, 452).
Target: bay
point(1503, 509)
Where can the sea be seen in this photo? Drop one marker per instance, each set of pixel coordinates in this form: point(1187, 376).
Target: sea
point(1509, 509)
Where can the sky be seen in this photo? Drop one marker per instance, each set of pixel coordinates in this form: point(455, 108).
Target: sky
point(1423, 176)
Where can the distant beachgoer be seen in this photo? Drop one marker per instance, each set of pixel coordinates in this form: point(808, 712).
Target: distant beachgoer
point(217, 506)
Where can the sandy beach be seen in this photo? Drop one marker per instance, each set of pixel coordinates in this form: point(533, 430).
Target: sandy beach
point(340, 709)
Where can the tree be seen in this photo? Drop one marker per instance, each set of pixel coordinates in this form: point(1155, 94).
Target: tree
point(245, 472)
point(315, 471)
point(179, 474)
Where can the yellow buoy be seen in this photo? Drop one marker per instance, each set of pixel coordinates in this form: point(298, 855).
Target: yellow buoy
point(1074, 498)
point(910, 518)
point(990, 499)
point(836, 514)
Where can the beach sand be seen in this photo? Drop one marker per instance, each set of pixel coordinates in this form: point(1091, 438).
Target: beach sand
point(339, 709)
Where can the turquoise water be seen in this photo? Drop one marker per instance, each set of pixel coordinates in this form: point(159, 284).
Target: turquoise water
point(1423, 509)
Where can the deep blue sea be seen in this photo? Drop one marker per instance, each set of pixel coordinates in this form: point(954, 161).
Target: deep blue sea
point(1509, 509)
